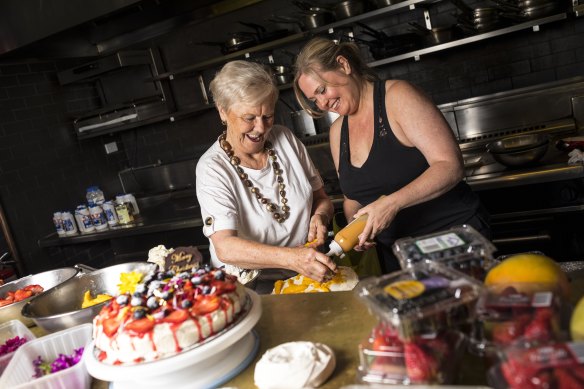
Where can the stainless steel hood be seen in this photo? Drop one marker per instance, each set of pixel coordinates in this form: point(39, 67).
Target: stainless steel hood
point(88, 28)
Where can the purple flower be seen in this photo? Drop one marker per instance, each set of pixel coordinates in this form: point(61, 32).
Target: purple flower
point(11, 345)
point(62, 362)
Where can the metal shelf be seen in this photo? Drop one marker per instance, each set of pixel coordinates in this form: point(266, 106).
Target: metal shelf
point(402, 6)
point(534, 24)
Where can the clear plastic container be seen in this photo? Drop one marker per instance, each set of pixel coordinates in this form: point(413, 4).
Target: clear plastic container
point(511, 313)
point(554, 365)
point(425, 359)
point(20, 371)
point(461, 247)
point(8, 331)
point(423, 299)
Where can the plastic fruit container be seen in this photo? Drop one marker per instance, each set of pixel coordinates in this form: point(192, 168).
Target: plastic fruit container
point(423, 359)
point(8, 331)
point(554, 365)
point(19, 372)
point(511, 313)
point(461, 248)
point(423, 299)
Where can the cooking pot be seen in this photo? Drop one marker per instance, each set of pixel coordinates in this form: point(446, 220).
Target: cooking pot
point(348, 8)
point(386, 3)
point(519, 150)
point(303, 124)
point(283, 74)
point(436, 35)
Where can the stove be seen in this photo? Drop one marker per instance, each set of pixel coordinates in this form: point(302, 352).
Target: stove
point(532, 207)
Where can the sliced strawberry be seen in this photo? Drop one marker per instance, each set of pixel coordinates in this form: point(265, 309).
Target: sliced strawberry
point(519, 375)
point(420, 365)
point(4, 302)
point(222, 287)
point(565, 380)
point(140, 326)
point(34, 288)
point(508, 331)
point(206, 304)
point(110, 327)
point(177, 316)
point(22, 294)
point(539, 329)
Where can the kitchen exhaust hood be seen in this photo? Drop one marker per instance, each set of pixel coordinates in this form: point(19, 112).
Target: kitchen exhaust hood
point(90, 28)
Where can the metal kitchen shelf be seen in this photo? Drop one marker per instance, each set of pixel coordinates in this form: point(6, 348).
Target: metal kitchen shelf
point(471, 39)
point(404, 5)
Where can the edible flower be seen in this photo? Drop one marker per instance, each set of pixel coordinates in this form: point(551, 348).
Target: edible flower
point(128, 282)
point(11, 345)
point(42, 368)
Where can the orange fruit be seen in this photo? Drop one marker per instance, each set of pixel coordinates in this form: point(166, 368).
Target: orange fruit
point(531, 270)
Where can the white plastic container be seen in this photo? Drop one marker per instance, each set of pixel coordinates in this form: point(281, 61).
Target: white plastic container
point(94, 196)
point(8, 331)
point(20, 371)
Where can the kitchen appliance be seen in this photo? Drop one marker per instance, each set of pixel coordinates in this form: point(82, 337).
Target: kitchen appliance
point(538, 206)
point(128, 95)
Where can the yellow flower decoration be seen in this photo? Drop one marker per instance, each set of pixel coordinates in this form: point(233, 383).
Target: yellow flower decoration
point(128, 282)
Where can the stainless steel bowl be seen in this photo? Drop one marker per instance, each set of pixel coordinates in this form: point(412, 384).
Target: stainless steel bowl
point(47, 280)
point(523, 157)
point(60, 308)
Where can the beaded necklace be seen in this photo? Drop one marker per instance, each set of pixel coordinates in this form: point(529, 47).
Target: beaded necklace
point(235, 162)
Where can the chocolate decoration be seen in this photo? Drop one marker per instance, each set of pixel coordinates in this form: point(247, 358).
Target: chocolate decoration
point(183, 259)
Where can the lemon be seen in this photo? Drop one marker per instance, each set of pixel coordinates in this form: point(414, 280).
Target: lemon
point(577, 321)
point(532, 270)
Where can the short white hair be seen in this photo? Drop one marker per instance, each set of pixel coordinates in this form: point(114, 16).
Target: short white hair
point(243, 82)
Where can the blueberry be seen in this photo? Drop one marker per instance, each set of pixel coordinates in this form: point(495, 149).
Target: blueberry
point(122, 299)
point(139, 314)
point(159, 276)
point(196, 280)
point(152, 303)
point(184, 275)
point(149, 277)
point(141, 288)
point(206, 289)
point(155, 284)
point(166, 294)
point(207, 268)
point(137, 301)
point(219, 275)
point(186, 304)
point(201, 272)
point(169, 274)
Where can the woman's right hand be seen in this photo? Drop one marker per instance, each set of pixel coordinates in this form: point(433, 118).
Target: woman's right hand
point(312, 264)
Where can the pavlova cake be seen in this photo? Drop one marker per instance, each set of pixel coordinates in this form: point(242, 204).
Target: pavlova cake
point(166, 313)
point(344, 279)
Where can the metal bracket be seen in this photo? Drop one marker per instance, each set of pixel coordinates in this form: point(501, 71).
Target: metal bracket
point(427, 19)
point(203, 88)
point(535, 28)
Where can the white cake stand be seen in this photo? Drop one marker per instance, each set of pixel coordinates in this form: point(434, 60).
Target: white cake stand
point(205, 366)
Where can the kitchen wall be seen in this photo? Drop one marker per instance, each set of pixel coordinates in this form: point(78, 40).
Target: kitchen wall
point(44, 168)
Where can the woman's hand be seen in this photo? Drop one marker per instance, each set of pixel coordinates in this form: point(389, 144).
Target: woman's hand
point(317, 230)
point(312, 264)
point(380, 215)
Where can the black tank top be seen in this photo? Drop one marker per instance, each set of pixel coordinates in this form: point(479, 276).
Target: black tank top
point(389, 167)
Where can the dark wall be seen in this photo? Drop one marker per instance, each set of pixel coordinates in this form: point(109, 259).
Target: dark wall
point(44, 168)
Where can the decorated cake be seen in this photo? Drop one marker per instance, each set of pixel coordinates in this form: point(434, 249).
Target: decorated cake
point(166, 313)
point(344, 279)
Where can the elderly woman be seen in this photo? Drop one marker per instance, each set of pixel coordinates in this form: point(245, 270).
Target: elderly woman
point(396, 157)
point(261, 197)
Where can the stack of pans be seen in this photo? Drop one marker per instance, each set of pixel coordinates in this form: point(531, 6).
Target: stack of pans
point(478, 19)
point(529, 9)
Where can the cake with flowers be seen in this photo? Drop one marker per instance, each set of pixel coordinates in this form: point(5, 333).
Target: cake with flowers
point(165, 313)
point(344, 279)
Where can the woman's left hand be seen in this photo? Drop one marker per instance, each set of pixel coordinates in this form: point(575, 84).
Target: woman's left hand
point(318, 230)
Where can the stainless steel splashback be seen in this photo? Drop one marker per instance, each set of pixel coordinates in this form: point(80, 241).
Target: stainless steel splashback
point(159, 178)
point(492, 115)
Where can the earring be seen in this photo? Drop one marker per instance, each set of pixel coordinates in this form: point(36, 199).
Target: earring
point(224, 122)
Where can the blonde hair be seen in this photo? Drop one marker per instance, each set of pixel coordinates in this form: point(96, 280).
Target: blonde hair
point(320, 55)
point(243, 82)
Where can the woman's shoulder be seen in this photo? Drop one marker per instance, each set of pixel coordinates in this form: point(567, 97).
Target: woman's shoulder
point(211, 160)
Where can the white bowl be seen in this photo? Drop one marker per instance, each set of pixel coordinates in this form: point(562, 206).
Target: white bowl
point(20, 370)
